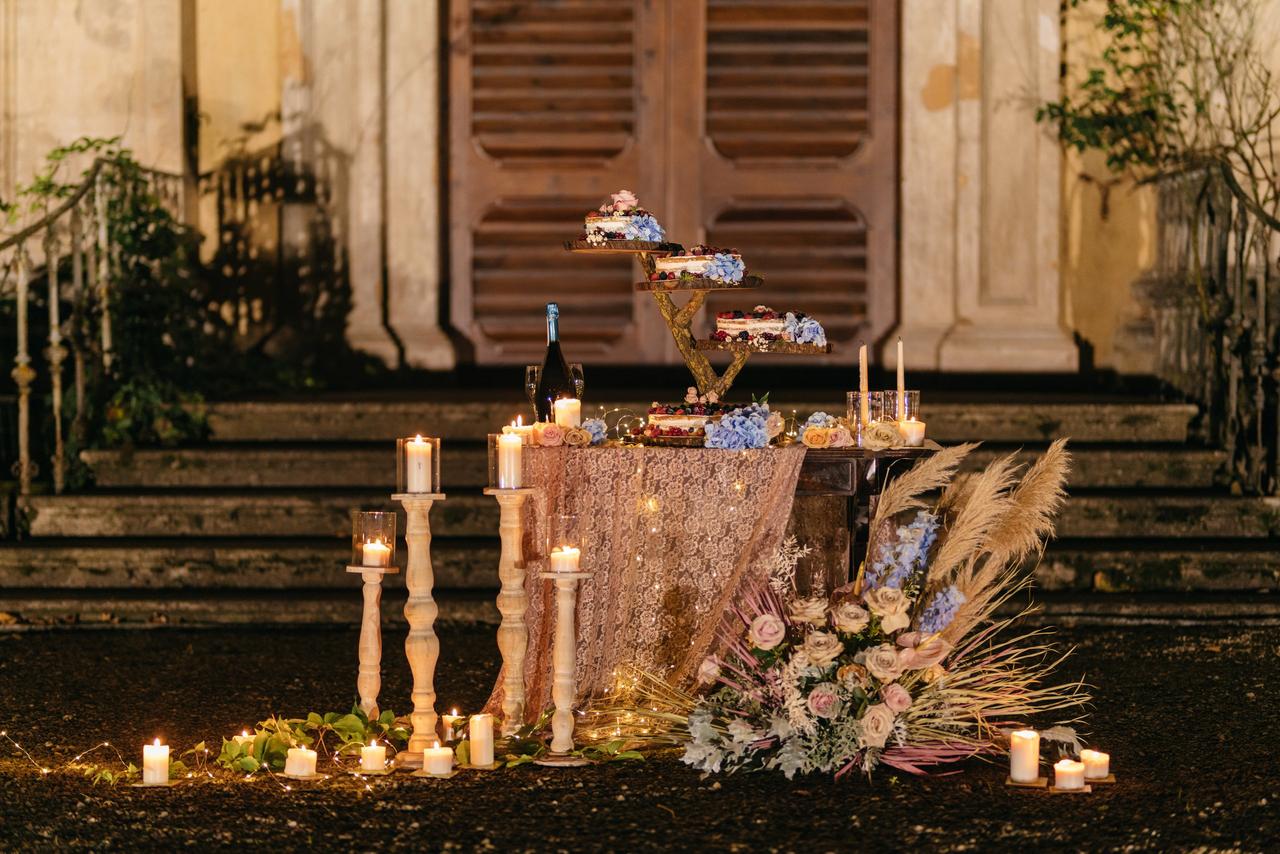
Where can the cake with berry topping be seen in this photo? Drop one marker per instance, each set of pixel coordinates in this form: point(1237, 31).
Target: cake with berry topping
point(621, 218)
point(681, 420)
point(708, 262)
point(763, 325)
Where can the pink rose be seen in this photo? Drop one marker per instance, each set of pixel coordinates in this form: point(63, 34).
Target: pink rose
point(709, 670)
point(841, 438)
point(922, 653)
point(897, 698)
point(877, 723)
point(850, 617)
point(766, 632)
point(624, 199)
point(824, 701)
point(548, 435)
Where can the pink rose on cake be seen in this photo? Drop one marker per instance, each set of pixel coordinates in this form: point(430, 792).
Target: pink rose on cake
point(624, 200)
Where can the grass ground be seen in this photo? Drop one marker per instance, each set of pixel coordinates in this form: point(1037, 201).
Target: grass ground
point(1191, 716)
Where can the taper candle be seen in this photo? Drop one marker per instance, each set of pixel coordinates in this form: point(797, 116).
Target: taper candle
point(902, 386)
point(417, 465)
point(864, 417)
point(510, 457)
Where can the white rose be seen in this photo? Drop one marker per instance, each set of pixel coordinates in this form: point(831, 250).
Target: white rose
point(708, 671)
point(877, 723)
point(883, 663)
point(766, 632)
point(812, 611)
point(822, 648)
point(891, 606)
point(850, 617)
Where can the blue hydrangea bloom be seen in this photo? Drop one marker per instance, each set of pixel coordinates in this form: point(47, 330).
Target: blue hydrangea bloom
point(941, 610)
point(725, 268)
point(597, 428)
point(897, 561)
point(805, 330)
point(644, 228)
point(740, 429)
point(819, 419)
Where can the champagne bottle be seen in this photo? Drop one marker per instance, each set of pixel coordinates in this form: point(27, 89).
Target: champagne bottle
point(555, 380)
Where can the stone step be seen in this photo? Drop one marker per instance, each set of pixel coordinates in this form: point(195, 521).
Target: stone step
point(465, 466)
point(366, 421)
point(319, 515)
point(1071, 565)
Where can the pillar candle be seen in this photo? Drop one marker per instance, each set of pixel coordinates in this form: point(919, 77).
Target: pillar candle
point(902, 385)
point(300, 762)
point(481, 739)
point(245, 739)
point(1068, 774)
point(864, 416)
point(1096, 764)
point(568, 412)
point(911, 431)
point(450, 723)
point(376, 553)
point(510, 454)
point(1024, 756)
point(417, 465)
point(438, 760)
point(519, 428)
point(155, 763)
point(373, 757)
point(565, 559)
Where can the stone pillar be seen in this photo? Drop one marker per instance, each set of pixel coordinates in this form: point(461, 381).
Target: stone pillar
point(980, 188)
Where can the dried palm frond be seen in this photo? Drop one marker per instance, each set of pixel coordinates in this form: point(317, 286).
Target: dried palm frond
point(965, 535)
point(1032, 506)
point(906, 492)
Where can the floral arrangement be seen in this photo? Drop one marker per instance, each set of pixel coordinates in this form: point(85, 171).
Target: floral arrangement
point(746, 427)
point(825, 431)
point(547, 434)
point(906, 667)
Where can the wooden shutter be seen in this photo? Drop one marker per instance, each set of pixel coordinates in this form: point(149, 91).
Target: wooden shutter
point(546, 121)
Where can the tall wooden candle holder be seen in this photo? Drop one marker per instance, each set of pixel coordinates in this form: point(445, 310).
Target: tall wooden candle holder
point(369, 678)
point(422, 647)
point(513, 601)
point(564, 688)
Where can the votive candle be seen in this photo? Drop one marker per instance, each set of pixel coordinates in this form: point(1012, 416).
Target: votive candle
point(1097, 764)
point(911, 430)
point(1024, 756)
point(438, 760)
point(417, 465)
point(155, 763)
point(1068, 774)
point(450, 723)
point(376, 553)
point(519, 428)
point(510, 456)
point(244, 739)
point(481, 731)
point(300, 762)
point(568, 412)
point(373, 757)
point(565, 559)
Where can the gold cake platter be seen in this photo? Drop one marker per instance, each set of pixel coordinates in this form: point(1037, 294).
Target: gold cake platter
point(651, 247)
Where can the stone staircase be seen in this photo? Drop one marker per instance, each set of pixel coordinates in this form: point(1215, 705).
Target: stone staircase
point(254, 526)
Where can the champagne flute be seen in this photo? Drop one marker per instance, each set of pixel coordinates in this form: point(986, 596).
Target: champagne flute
point(532, 376)
point(579, 379)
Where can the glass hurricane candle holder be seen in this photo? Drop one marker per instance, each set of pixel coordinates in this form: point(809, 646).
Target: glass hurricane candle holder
point(418, 465)
point(373, 539)
point(564, 544)
point(904, 407)
point(506, 460)
point(874, 407)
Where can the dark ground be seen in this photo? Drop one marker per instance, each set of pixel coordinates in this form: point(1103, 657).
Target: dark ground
point(1190, 716)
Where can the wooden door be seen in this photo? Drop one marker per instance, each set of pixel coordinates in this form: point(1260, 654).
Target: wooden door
point(768, 126)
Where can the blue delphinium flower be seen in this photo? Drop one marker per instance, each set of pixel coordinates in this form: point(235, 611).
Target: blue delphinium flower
point(941, 610)
point(725, 268)
point(597, 428)
point(803, 329)
point(644, 228)
point(898, 560)
point(743, 428)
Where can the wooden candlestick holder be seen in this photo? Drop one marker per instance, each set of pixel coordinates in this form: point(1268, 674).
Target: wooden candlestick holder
point(369, 677)
point(564, 688)
point(422, 647)
point(513, 601)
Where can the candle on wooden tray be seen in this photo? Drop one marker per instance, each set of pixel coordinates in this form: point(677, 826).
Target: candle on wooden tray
point(864, 414)
point(1068, 774)
point(155, 763)
point(510, 460)
point(1097, 765)
point(565, 559)
point(1024, 756)
point(450, 722)
point(902, 385)
point(438, 760)
point(417, 465)
point(376, 553)
point(373, 757)
point(911, 430)
point(568, 412)
point(481, 739)
point(300, 762)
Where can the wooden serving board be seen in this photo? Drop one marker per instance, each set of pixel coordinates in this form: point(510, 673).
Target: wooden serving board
point(698, 283)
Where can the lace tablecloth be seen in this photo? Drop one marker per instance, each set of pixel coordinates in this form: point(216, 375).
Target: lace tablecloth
point(671, 534)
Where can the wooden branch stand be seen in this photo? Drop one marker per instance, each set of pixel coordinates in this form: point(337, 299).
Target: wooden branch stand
point(513, 601)
point(680, 318)
point(422, 647)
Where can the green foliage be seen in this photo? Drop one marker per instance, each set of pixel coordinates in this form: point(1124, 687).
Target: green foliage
point(102, 774)
point(274, 736)
point(152, 413)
